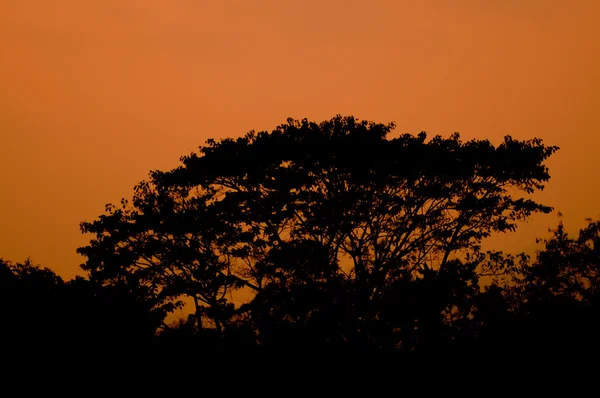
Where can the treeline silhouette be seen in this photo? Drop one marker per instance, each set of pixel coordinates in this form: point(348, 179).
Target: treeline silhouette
point(322, 236)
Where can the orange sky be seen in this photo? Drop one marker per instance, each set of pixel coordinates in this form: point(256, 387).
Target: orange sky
point(96, 93)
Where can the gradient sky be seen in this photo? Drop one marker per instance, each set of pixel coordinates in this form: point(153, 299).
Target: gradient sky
point(96, 93)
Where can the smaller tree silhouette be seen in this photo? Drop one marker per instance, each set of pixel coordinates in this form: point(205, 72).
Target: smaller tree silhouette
point(559, 292)
point(42, 312)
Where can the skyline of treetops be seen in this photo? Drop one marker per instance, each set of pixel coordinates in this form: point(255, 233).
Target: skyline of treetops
point(338, 235)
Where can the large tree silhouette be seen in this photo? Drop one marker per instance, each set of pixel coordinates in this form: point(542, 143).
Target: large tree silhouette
point(338, 234)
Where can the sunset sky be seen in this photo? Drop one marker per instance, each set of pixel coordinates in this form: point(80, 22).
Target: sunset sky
point(96, 93)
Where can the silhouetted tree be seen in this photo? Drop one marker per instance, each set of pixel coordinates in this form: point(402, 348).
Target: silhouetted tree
point(338, 234)
point(558, 294)
point(40, 311)
point(28, 305)
point(568, 267)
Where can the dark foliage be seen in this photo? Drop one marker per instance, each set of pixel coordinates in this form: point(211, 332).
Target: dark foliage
point(41, 312)
point(318, 237)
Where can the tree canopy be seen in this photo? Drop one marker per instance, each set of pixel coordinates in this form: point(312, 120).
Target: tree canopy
point(43, 313)
point(337, 233)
